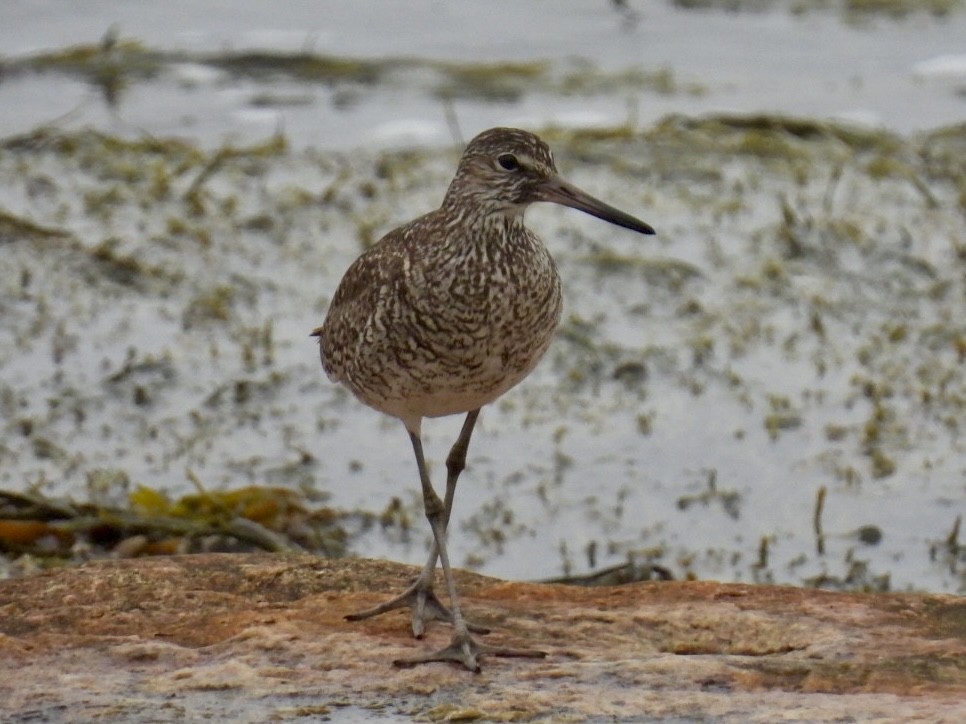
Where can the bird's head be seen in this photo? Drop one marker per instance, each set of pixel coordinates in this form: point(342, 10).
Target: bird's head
point(504, 170)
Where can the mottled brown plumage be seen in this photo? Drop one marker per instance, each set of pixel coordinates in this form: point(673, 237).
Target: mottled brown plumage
point(445, 314)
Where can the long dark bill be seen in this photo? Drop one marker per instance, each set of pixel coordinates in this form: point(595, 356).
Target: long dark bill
point(558, 191)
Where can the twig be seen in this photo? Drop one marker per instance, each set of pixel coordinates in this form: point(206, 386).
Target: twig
point(817, 521)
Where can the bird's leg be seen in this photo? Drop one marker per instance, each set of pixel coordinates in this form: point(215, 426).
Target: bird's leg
point(428, 607)
point(463, 648)
point(420, 597)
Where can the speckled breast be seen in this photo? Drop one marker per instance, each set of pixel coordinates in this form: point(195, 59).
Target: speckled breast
point(463, 329)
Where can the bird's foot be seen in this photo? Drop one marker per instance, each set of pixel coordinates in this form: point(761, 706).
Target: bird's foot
point(465, 650)
point(424, 606)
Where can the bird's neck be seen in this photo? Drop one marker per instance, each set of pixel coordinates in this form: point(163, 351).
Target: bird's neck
point(481, 210)
point(489, 226)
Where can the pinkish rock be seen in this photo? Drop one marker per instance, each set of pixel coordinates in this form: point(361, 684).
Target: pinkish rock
point(262, 637)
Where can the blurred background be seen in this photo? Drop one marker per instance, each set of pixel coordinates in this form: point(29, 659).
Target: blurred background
point(771, 390)
point(337, 75)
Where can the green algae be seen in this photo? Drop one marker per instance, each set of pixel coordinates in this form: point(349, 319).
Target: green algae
point(306, 67)
point(850, 10)
point(493, 82)
point(14, 227)
point(49, 532)
point(671, 272)
point(768, 135)
point(902, 8)
point(115, 65)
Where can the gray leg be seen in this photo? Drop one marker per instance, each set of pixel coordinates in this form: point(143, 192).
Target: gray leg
point(420, 598)
point(463, 648)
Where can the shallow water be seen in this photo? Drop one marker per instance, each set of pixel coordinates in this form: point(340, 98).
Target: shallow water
point(796, 324)
point(905, 75)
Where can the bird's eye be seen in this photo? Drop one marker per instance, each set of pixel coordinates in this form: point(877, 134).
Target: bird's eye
point(508, 162)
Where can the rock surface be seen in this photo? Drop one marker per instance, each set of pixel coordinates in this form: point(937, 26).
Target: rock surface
point(262, 637)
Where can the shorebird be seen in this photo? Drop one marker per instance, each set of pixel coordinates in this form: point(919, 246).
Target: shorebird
point(442, 316)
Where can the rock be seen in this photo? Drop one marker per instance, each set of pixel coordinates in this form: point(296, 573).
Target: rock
point(261, 637)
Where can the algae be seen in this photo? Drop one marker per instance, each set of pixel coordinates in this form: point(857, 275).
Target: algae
point(798, 321)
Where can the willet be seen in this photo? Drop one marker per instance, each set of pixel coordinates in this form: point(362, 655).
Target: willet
point(442, 316)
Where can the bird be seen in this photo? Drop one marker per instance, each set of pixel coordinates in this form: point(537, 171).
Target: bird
point(442, 316)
